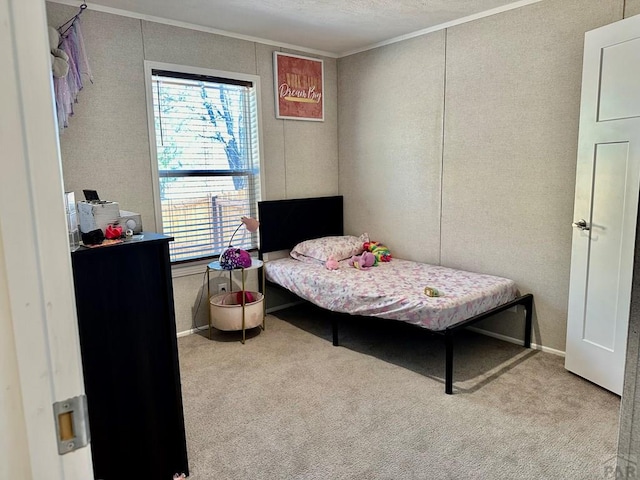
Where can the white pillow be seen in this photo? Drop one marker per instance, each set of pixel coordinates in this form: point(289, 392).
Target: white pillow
point(336, 247)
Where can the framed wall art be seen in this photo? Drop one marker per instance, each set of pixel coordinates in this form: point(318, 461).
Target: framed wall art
point(299, 87)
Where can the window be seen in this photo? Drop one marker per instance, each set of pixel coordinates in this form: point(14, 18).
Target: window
point(205, 140)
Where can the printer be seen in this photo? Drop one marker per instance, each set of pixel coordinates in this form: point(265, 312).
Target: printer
point(94, 214)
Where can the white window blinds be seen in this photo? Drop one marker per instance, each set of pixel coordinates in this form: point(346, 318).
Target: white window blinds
point(206, 131)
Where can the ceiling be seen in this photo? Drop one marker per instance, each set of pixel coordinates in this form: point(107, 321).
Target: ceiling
point(333, 27)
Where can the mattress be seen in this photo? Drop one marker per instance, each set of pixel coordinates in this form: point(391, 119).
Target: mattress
point(394, 290)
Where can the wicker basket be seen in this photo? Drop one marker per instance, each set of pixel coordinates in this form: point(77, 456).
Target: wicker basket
point(226, 311)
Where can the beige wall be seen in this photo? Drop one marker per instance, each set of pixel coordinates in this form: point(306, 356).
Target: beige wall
point(106, 146)
point(504, 165)
point(390, 140)
point(631, 7)
point(511, 131)
point(456, 147)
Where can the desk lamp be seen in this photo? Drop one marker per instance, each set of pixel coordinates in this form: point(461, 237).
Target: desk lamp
point(236, 257)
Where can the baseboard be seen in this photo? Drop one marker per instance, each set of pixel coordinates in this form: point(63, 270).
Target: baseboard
point(499, 336)
point(191, 331)
point(517, 341)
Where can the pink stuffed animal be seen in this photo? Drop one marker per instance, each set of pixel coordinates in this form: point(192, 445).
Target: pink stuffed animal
point(364, 261)
point(332, 264)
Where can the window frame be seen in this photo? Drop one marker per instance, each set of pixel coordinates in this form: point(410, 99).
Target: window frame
point(191, 267)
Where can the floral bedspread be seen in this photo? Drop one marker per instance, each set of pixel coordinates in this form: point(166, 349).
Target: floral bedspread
point(394, 290)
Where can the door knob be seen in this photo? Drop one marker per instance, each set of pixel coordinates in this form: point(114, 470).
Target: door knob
point(581, 224)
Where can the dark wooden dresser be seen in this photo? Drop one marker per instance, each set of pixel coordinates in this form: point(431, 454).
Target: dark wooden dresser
point(126, 318)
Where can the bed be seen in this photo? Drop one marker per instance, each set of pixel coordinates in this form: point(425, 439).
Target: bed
point(397, 290)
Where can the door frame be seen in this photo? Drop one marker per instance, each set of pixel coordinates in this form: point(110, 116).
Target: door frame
point(38, 319)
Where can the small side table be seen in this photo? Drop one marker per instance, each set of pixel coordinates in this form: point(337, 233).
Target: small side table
point(255, 264)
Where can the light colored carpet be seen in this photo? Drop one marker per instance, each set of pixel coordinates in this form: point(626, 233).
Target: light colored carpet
point(289, 405)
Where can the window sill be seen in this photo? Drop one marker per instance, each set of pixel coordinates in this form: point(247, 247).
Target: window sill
point(191, 268)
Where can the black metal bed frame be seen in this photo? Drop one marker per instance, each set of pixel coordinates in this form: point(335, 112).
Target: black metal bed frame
point(281, 228)
point(449, 333)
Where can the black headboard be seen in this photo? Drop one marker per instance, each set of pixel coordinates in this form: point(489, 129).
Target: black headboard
point(285, 223)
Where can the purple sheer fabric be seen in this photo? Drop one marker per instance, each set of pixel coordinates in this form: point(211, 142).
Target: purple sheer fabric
point(66, 89)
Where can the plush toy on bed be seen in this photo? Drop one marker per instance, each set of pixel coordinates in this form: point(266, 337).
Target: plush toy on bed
point(364, 261)
point(381, 252)
point(332, 264)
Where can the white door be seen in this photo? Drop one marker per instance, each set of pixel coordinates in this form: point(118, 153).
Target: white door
point(606, 205)
point(40, 359)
